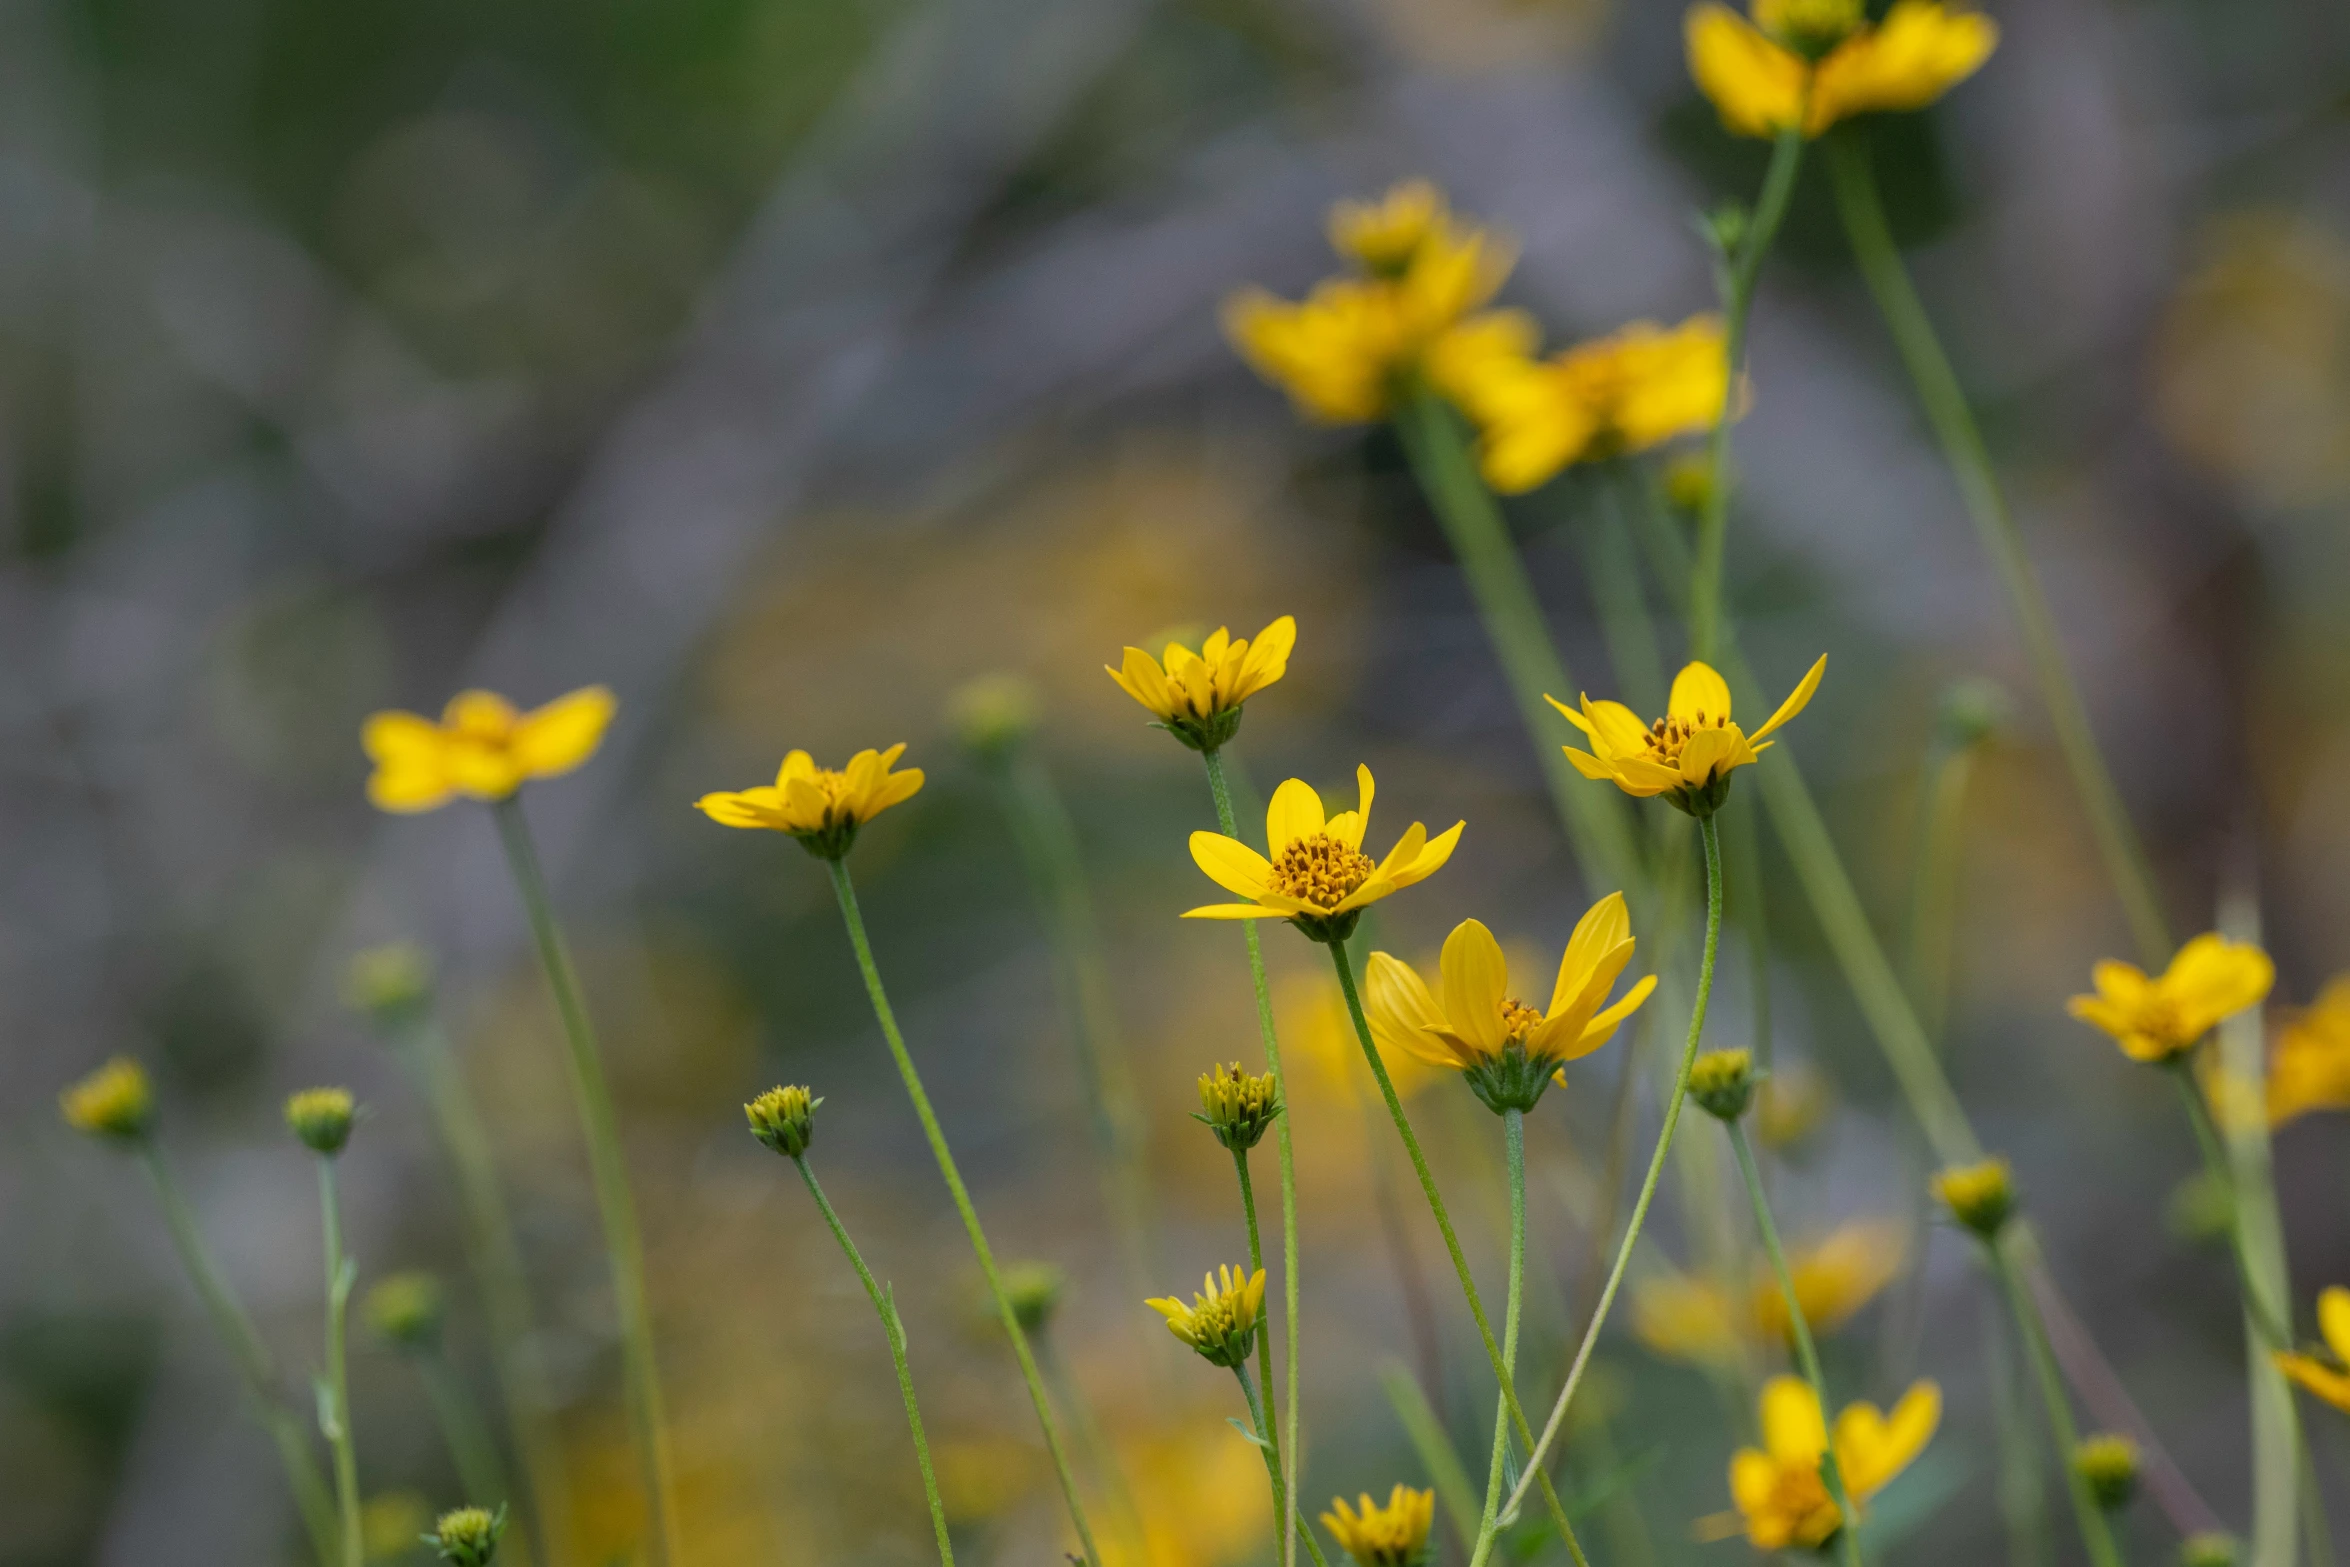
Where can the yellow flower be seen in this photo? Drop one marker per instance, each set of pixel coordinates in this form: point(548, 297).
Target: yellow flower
point(1834, 1278)
point(1687, 755)
point(2325, 1375)
point(1980, 1196)
point(114, 1102)
point(1393, 1535)
point(1812, 63)
point(2311, 1067)
point(1318, 878)
point(1221, 1323)
point(1356, 341)
point(1687, 1319)
point(2158, 1019)
point(1778, 1489)
point(482, 748)
point(1508, 1051)
point(821, 808)
point(1623, 393)
point(1197, 697)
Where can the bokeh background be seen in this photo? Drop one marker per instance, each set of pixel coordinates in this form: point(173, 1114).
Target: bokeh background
point(784, 364)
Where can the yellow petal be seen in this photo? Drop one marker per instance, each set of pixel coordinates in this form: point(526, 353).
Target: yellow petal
point(1700, 696)
point(2213, 978)
point(796, 764)
point(483, 715)
point(1590, 766)
point(2333, 1319)
point(1919, 52)
point(1349, 828)
point(1603, 926)
point(1797, 699)
point(1401, 1012)
point(1636, 775)
point(2325, 1381)
point(1231, 864)
point(483, 770)
point(1431, 857)
point(1754, 1481)
point(1236, 911)
point(1616, 731)
point(1872, 1448)
point(1793, 1429)
point(554, 739)
point(406, 789)
point(1476, 982)
point(1756, 86)
point(1295, 813)
point(1709, 753)
point(1268, 658)
point(738, 810)
point(401, 739)
point(1603, 1028)
point(1142, 679)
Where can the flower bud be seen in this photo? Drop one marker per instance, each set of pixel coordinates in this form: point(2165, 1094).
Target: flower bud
point(1979, 1196)
point(1238, 1108)
point(468, 1536)
point(406, 1310)
point(784, 1119)
point(1722, 1082)
point(993, 714)
point(2210, 1549)
point(2108, 1464)
point(1689, 482)
point(391, 984)
point(1221, 1322)
point(115, 1102)
point(1973, 710)
point(321, 1118)
point(1034, 1291)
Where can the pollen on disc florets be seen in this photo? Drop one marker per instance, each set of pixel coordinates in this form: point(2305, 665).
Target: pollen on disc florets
point(1518, 1019)
point(1320, 870)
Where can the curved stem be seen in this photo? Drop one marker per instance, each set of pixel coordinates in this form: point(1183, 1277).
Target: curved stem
point(846, 892)
point(1711, 838)
point(1513, 1136)
point(895, 1331)
point(2095, 1533)
point(1806, 1353)
point(1535, 1474)
point(334, 1396)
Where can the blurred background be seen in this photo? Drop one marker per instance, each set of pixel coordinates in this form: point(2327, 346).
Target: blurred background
point(784, 366)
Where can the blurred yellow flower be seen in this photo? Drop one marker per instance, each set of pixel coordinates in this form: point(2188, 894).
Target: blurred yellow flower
point(1221, 1322)
point(391, 1525)
point(482, 748)
point(1393, 1534)
point(116, 1102)
point(1317, 1027)
point(1508, 1051)
point(1318, 878)
point(1835, 1277)
point(1778, 1489)
point(820, 807)
point(1386, 235)
point(2157, 1019)
point(2326, 1376)
point(1684, 1318)
point(1197, 697)
point(2311, 1067)
point(1811, 63)
point(1687, 755)
point(1623, 393)
point(1792, 1103)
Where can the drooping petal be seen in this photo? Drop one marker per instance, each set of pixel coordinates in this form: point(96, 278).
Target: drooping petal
point(1756, 86)
point(1797, 699)
point(552, 740)
point(1793, 1429)
point(1402, 1014)
point(2327, 1382)
point(1589, 766)
point(740, 809)
point(1476, 983)
point(1295, 812)
point(1637, 775)
point(1236, 911)
point(1700, 695)
point(1142, 679)
point(1616, 731)
point(1231, 864)
point(2333, 1319)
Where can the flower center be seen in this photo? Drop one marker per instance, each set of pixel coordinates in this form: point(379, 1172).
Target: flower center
point(1801, 1497)
point(1668, 734)
point(1320, 870)
point(1518, 1019)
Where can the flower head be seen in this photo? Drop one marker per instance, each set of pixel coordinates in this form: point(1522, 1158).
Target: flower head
point(1688, 755)
point(993, 713)
point(321, 1118)
point(2108, 1464)
point(2310, 1068)
point(1834, 1277)
point(2160, 1019)
point(482, 748)
point(784, 1119)
point(1197, 697)
point(406, 1310)
point(2212, 1548)
point(1318, 877)
point(1221, 1322)
point(1980, 1196)
point(115, 1102)
point(2327, 1372)
point(1623, 393)
point(1777, 1487)
point(391, 984)
point(1034, 1291)
point(1806, 64)
point(1722, 1082)
point(469, 1536)
point(1791, 1104)
point(1391, 1535)
point(821, 808)
point(1507, 1050)
point(1237, 1107)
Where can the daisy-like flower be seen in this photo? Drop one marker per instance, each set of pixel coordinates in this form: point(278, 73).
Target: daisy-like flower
point(1806, 64)
point(1197, 697)
point(1688, 755)
point(2326, 1374)
point(1391, 1535)
point(820, 807)
point(1693, 1320)
point(1318, 878)
point(1778, 1488)
point(2160, 1019)
point(1507, 1051)
point(1632, 390)
point(2311, 1067)
point(116, 1102)
point(1221, 1321)
point(482, 748)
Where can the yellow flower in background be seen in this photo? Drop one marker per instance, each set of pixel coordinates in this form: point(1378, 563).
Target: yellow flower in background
point(1795, 1099)
point(1387, 235)
point(1221, 1322)
point(1834, 1277)
point(1506, 1050)
point(2311, 1067)
point(115, 1102)
point(482, 748)
point(820, 807)
point(1778, 1489)
point(1806, 64)
point(1315, 1024)
point(2328, 1377)
point(1688, 755)
point(1627, 392)
point(2160, 1018)
point(1393, 1534)
point(1687, 1319)
point(1197, 697)
point(1318, 877)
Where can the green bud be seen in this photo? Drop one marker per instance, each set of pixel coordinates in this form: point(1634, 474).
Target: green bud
point(1979, 1196)
point(391, 984)
point(1722, 1083)
point(784, 1119)
point(1034, 1290)
point(321, 1118)
point(993, 714)
point(1238, 1108)
point(2108, 1465)
point(116, 1102)
point(406, 1310)
point(2213, 1549)
point(469, 1536)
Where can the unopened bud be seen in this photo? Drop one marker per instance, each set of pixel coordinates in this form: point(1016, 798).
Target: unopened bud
point(1979, 1196)
point(1722, 1082)
point(784, 1119)
point(2108, 1465)
point(115, 1102)
point(321, 1118)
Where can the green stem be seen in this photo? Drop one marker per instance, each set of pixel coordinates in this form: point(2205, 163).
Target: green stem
point(467, 1435)
point(1256, 1415)
point(846, 892)
point(1535, 1473)
point(1954, 426)
point(1426, 1431)
point(1221, 789)
point(334, 1397)
point(1807, 1354)
point(2096, 1535)
point(1711, 837)
point(608, 1170)
point(1705, 599)
point(1256, 1265)
point(1933, 906)
point(312, 1498)
point(1513, 1136)
point(894, 1330)
point(2257, 1310)
point(2022, 1497)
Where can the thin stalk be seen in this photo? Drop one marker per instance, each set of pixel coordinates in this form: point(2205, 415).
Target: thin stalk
point(1954, 426)
point(1426, 1431)
point(1256, 1265)
point(1091, 1439)
point(624, 1245)
point(1711, 838)
point(1513, 1136)
point(334, 1392)
point(846, 892)
point(895, 1331)
point(2096, 1535)
point(1737, 289)
point(467, 1436)
point(1256, 1416)
point(1807, 1354)
point(2023, 1498)
point(2258, 1313)
point(1460, 1266)
point(1933, 906)
point(312, 1498)
point(1221, 789)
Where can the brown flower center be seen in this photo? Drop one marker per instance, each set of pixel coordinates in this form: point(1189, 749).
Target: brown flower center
point(1668, 734)
point(1320, 870)
point(1518, 1019)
